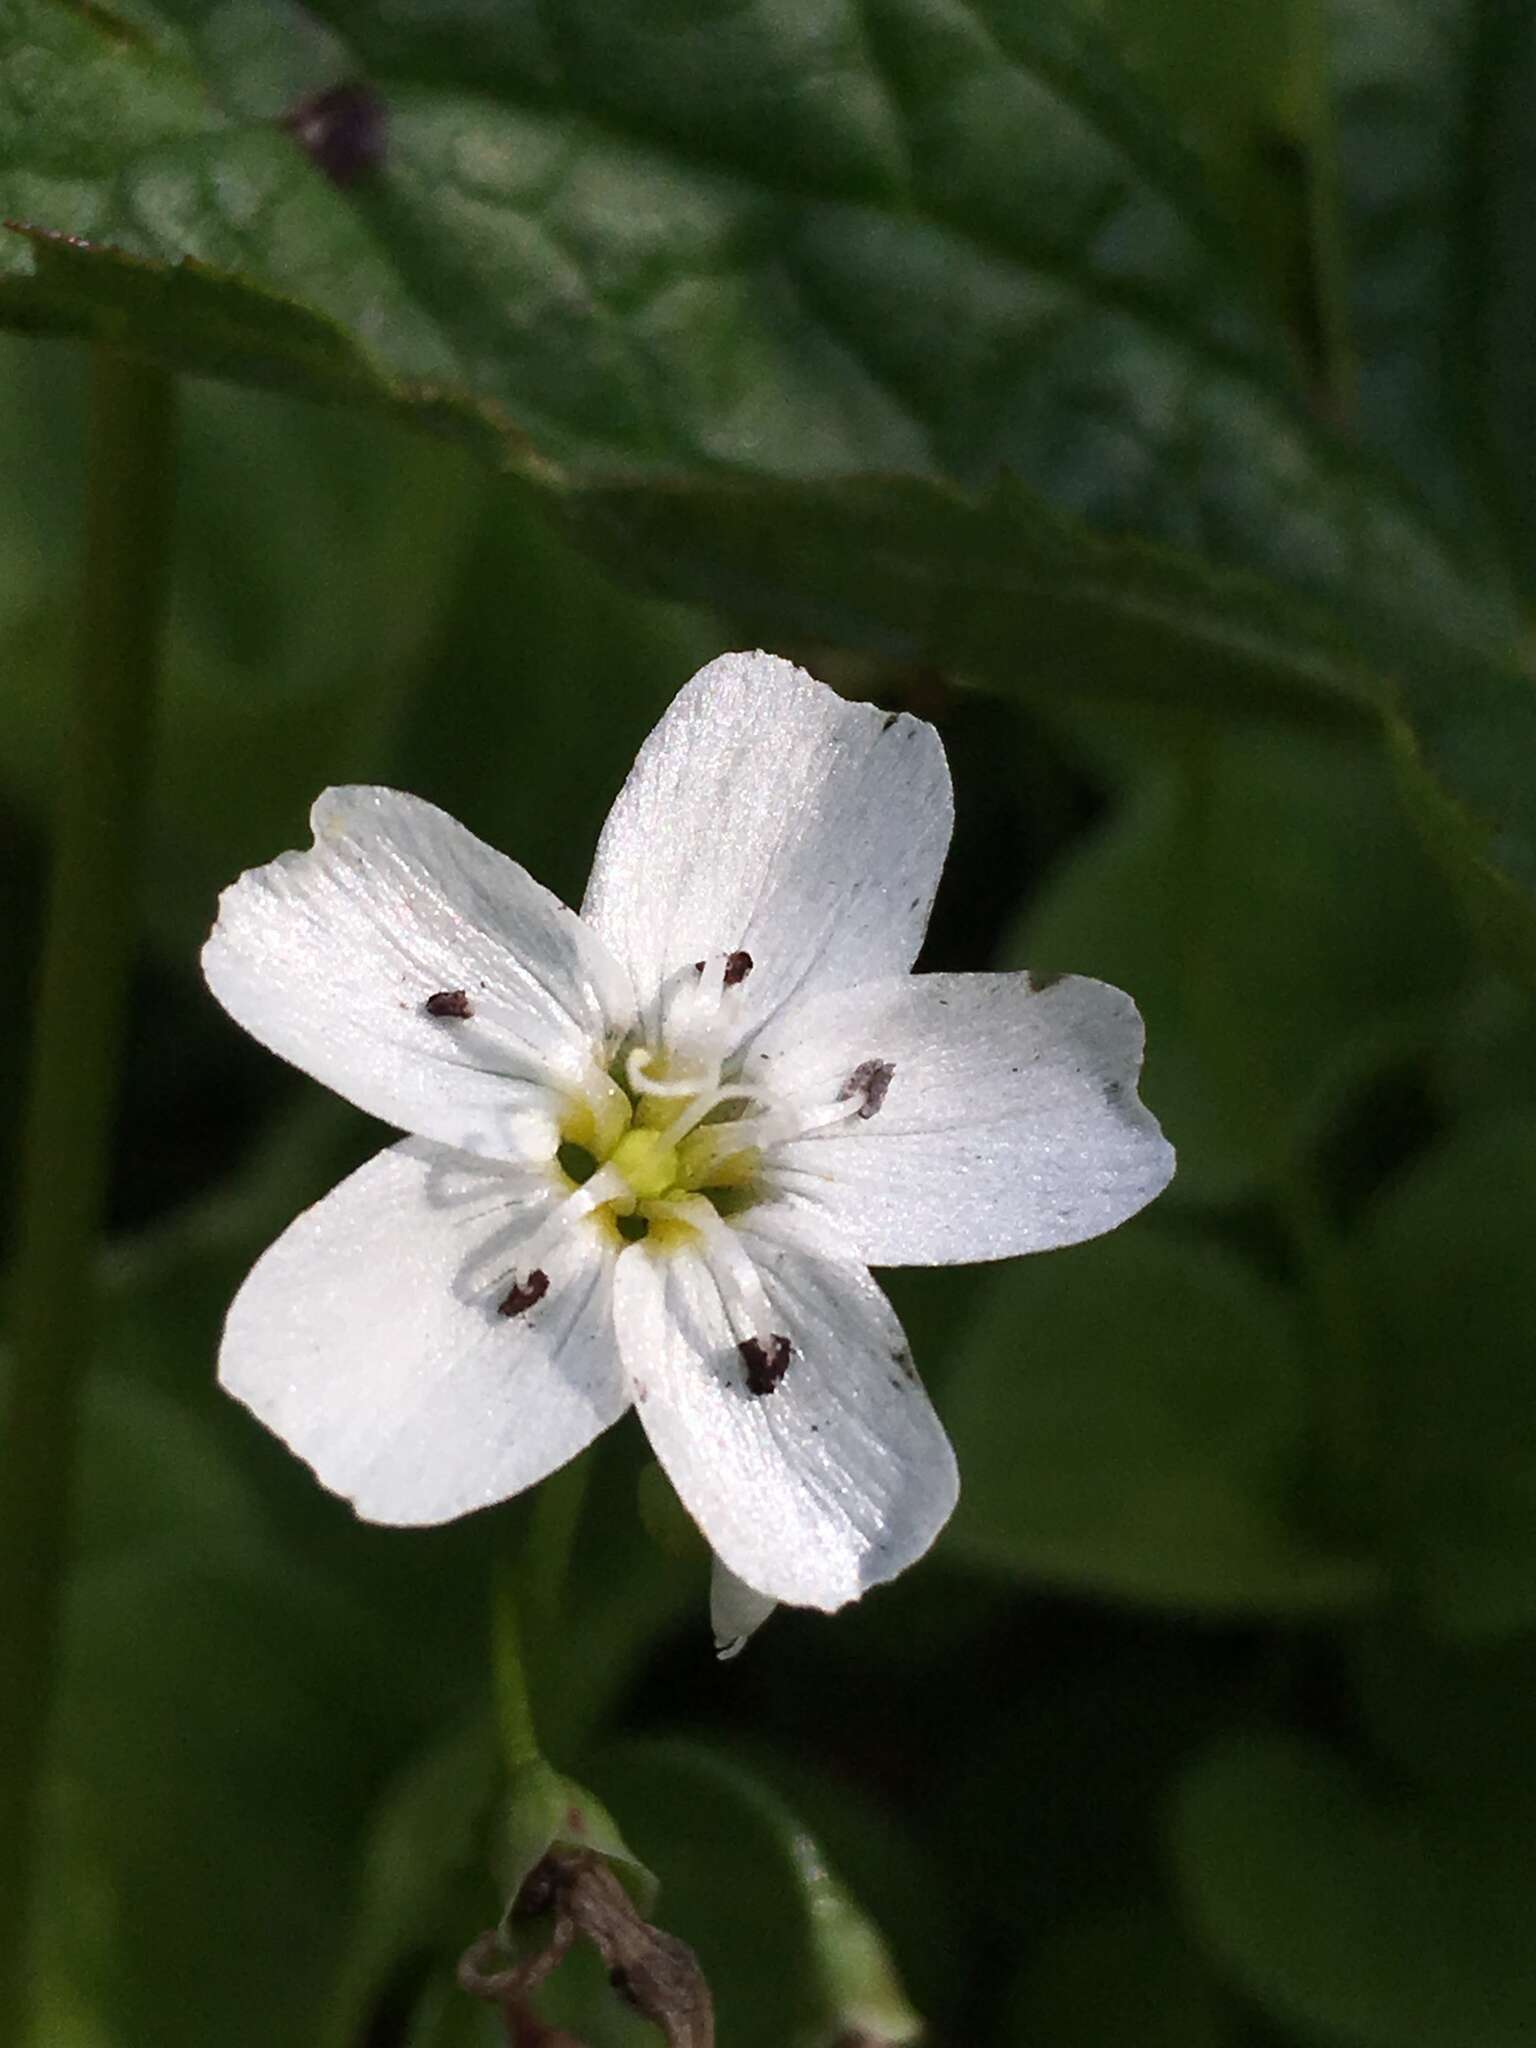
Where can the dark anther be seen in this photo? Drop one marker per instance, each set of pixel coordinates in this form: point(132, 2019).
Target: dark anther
point(871, 1081)
point(737, 967)
point(340, 130)
point(524, 1293)
point(766, 1362)
point(449, 1002)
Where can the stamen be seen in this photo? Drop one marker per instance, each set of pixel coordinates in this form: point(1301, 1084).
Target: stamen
point(766, 1360)
point(777, 1126)
point(640, 1084)
point(737, 967)
point(608, 1184)
point(868, 1083)
point(448, 1002)
point(704, 1105)
point(731, 1267)
point(699, 1013)
point(522, 1294)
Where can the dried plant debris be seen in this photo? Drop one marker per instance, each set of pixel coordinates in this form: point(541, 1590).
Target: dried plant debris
point(581, 1897)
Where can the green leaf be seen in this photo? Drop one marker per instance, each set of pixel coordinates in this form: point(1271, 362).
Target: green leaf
point(1437, 175)
point(1131, 1418)
point(425, 1885)
point(1463, 749)
point(1446, 1256)
point(913, 250)
point(959, 364)
point(1276, 925)
point(1363, 1920)
point(312, 550)
point(152, 1470)
point(214, 1751)
point(994, 583)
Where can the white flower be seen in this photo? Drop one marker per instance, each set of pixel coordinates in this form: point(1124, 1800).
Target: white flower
point(656, 1148)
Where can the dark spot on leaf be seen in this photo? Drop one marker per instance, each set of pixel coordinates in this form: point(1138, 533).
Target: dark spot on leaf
point(340, 130)
point(522, 1294)
point(871, 1080)
point(449, 1002)
point(766, 1361)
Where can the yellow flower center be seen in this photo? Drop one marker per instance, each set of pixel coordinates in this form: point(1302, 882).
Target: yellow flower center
point(612, 1131)
point(647, 1162)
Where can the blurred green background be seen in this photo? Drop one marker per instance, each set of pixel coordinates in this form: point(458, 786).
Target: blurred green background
point(1145, 393)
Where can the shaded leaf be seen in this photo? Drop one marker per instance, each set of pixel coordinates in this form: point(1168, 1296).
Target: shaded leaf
point(215, 1747)
point(1265, 906)
point(1437, 173)
point(1131, 1417)
point(424, 1888)
point(923, 243)
point(311, 556)
point(1361, 1919)
point(1445, 1255)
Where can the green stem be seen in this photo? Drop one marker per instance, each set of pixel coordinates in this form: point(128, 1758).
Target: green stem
point(514, 1707)
point(77, 1011)
point(527, 1600)
point(551, 1538)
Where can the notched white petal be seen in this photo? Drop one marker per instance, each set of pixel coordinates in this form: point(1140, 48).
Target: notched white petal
point(766, 816)
point(1009, 1121)
point(419, 973)
point(375, 1337)
point(832, 1481)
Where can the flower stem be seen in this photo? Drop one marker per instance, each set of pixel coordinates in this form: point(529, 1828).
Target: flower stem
point(551, 1538)
point(527, 1598)
point(514, 1707)
point(77, 1010)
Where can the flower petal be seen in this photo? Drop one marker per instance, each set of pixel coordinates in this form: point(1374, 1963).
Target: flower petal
point(735, 1611)
point(765, 814)
point(1009, 1124)
point(833, 1482)
point(330, 957)
point(368, 1338)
